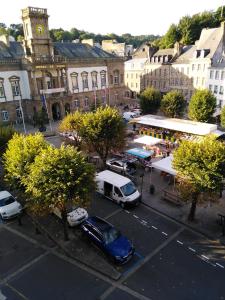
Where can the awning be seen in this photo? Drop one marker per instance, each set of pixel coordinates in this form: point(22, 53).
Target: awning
point(147, 140)
point(139, 152)
point(165, 165)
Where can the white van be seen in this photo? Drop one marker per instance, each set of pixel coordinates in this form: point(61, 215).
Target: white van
point(117, 188)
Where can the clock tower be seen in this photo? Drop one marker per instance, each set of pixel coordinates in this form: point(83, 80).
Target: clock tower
point(37, 40)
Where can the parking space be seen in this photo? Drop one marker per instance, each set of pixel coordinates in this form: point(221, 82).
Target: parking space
point(54, 278)
point(7, 293)
point(176, 273)
point(15, 252)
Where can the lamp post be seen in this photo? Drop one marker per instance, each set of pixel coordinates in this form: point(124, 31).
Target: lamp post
point(21, 109)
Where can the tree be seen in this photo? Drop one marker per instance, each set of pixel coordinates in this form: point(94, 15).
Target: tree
point(20, 153)
point(6, 133)
point(150, 100)
point(171, 37)
point(202, 106)
point(59, 178)
point(222, 117)
point(173, 104)
point(200, 164)
point(103, 131)
point(73, 123)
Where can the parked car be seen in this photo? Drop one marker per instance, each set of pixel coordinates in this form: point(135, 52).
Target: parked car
point(117, 188)
point(129, 115)
point(9, 207)
point(109, 239)
point(122, 166)
point(74, 216)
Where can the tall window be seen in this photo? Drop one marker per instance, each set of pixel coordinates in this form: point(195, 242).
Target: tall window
point(215, 89)
point(94, 79)
point(211, 74)
point(84, 76)
point(74, 80)
point(103, 78)
point(5, 115)
point(116, 77)
point(15, 85)
point(76, 104)
point(222, 75)
point(2, 91)
point(86, 102)
point(217, 75)
point(221, 90)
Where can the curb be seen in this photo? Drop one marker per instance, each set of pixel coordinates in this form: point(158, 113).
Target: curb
point(208, 236)
point(66, 251)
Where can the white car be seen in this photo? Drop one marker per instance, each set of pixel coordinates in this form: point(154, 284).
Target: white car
point(129, 115)
point(74, 217)
point(9, 207)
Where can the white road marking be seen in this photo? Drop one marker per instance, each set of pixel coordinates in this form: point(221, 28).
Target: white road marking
point(204, 256)
point(193, 250)
point(144, 222)
point(136, 216)
point(221, 266)
point(127, 211)
point(154, 227)
point(164, 233)
point(179, 242)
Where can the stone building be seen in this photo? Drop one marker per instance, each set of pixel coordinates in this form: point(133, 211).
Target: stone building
point(62, 76)
point(119, 49)
point(184, 68)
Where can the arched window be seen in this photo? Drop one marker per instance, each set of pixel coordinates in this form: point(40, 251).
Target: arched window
point(15, 85)
point(94, 79)
point(74, 80)
point(103, 78)
point(86, 102)
point(2, 90)
point(84, 76)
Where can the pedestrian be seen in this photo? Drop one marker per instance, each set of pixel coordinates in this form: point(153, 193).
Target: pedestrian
point(134, 126)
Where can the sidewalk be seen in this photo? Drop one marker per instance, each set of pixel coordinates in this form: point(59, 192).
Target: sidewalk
point(31, 129)
point(206, 214)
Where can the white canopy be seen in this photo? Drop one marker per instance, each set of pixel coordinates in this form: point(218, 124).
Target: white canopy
point(165, 165)
point(186, 126)
point(147, 140)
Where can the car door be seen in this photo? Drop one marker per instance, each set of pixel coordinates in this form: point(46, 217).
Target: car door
point(117, 195)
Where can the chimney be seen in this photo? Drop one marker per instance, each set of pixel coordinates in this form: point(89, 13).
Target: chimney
point(5, 39)
point(177, 49)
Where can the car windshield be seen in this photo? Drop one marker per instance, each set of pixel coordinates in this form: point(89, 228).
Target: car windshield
point(128, 188)
point(6, 201)
point(111, 235)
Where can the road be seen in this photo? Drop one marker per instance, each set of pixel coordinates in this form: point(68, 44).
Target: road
point(170, 262)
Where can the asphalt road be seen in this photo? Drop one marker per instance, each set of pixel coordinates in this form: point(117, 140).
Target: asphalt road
point(170, 262)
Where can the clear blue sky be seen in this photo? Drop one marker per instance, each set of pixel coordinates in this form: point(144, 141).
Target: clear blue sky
point(104, 16)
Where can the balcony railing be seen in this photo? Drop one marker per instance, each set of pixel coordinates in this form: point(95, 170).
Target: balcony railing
point(53, 91)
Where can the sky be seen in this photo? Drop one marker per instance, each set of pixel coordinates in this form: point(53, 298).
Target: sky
point(104, 16)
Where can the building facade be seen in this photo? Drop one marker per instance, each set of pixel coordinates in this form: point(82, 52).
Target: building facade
point(63, 77)
point(184, 68)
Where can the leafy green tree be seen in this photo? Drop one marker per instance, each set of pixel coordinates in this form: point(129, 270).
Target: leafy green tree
point(103, 131)
point(202, 106)
point(222, 117)
point(171, 37)
point(173, 104)
point(201, 164)
point(150, 100)
point(59, 178)
point(20, 153)
point(73, 123)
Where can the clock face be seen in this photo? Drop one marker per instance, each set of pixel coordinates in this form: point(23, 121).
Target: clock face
point(40, 28)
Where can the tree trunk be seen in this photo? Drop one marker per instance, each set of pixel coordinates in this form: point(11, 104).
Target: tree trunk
point(65, 227)
point(191, 215)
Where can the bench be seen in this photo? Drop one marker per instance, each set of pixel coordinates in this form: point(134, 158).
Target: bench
point(171, 197)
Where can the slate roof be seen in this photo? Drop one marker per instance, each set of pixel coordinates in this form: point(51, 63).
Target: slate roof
point(78, 50)
point(162, 52)
point(14, 51)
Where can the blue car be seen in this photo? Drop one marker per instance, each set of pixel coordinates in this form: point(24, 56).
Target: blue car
point(108, 239)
